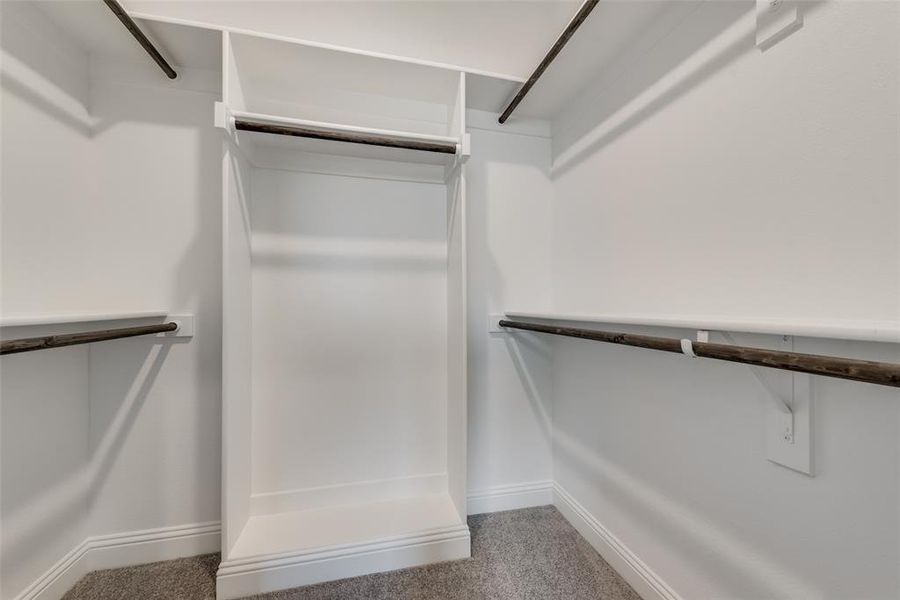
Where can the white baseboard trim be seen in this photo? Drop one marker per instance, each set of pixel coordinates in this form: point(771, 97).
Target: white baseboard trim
point(336, 495)
point(123, 550)
point(638, 575)
point(257, 575)
point(245, 577)
point(510, 497)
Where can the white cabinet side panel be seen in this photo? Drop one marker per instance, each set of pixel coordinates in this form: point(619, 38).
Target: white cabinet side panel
point(457, 393)
point(236, 339)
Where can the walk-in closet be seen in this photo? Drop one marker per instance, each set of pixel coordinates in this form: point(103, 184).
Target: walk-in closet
point(420, 300)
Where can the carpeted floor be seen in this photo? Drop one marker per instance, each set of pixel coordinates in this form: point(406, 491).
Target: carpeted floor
point(522, 554)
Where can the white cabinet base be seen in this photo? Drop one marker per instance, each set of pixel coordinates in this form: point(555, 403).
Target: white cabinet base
point(341, 542)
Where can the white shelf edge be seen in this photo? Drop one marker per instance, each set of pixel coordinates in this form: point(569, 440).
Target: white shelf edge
point(325, 46)
point(66, 318)
point(326, 126)
point(185, 321)
point(866, 331)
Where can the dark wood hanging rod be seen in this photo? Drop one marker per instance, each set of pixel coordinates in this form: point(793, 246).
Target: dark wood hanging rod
point(348, 136)
point(879, 373)
point(561, 41)
point(73, 339)
point(141, 38)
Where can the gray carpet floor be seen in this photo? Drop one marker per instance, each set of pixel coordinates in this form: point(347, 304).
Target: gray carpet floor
point(516, 555)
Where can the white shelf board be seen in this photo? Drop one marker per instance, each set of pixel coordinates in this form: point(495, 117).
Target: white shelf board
point(869, 331)
point(336, 526)
point(337, 148)
point(25, 320)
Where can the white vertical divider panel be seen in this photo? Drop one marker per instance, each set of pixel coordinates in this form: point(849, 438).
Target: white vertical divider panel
point(457, 392)
point(232, 90)
point(456, 339)
point(236, 344)
point(456, 124)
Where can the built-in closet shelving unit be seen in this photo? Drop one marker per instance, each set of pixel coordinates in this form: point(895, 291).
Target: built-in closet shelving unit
point(344, 378)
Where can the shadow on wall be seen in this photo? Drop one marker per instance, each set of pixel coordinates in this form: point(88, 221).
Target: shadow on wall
point(725, 553)
point(528, 350)
point(52, 469)
point(509, 201)
point(43, 67)
point(683, 48)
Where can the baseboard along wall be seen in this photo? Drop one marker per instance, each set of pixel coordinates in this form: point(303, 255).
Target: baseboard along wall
point(167, 543)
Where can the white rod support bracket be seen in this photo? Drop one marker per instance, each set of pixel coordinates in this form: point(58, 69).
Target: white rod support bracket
point(687, 348)
point(185, 326)
point(777, 399)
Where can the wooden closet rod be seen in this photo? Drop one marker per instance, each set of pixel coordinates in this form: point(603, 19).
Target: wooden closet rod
point(828, 366)
point(346, 136)
point(142, 39)
point(561, 41)
point(72, 339)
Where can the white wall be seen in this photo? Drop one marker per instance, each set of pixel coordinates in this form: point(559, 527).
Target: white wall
point(111, 202)
point(746, 184)
point(509, 200)
point(349, 330)
point(156, 243)
point(44, 421)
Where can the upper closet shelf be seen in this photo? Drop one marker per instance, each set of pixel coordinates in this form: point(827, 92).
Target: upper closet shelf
point(289, 96)
point(262, 131)
point(868, 331)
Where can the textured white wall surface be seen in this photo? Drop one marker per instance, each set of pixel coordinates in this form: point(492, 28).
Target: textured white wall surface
point(44, 420)
point(349, 329)
point(112, 209)
point(718, 179)
point(510, 202)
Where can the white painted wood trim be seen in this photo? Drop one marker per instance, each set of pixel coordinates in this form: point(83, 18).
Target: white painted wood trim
point(334, 495)
point(868, 331)
point(510, 497)
point(626, 563)
point(123, 550)
point(247, 576)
